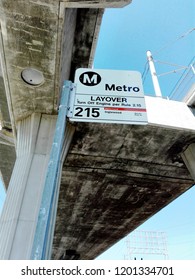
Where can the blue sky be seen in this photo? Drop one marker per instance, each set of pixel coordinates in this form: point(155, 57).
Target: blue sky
point(2, 195)
point(165, 28)
point(126, 34)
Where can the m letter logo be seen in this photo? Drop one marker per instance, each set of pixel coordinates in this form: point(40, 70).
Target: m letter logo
point(90, 79)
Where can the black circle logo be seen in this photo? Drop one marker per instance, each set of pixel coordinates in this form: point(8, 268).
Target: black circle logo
point(90, 78)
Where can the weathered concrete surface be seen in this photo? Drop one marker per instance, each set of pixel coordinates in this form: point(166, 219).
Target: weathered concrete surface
point(117, 176)
point(42, 36)
point(7, 148)
point(7, 160)
point(4, 112)
point(29, 36)
point(95, 4)
point(87, 30)
point(190, 97)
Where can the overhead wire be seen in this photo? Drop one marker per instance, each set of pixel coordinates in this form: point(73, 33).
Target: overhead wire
point(146, 67)
point(171, 64)
point(145, 72)
point(174, 41)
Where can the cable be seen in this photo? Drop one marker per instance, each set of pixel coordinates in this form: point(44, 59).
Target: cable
point(173, 71)
point(145, 72)
point(146, 68)
point(172, 42)
point(171, 64)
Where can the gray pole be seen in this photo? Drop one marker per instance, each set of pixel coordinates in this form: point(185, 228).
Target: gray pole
point(45, 223)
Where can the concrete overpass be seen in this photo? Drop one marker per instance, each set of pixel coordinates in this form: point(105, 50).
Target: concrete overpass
point(111, 177)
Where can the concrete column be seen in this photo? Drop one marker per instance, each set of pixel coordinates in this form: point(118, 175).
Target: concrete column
point(19, 216)
point(188, 157)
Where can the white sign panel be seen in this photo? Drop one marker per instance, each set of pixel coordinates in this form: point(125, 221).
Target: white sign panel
point(108, 82)
point(109, 96)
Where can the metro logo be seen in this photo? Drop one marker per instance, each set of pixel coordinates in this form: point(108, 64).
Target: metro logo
point(90, 78)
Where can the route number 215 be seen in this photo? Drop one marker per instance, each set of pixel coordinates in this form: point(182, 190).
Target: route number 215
point(87, 112)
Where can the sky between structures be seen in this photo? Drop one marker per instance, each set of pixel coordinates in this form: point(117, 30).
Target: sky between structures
point(164, 27)
point(167, 29)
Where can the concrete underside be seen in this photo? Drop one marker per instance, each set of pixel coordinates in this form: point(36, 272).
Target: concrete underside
point(53, 37)
point(116, 177)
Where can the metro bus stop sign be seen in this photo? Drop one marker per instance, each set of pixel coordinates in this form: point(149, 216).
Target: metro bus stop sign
point(108, 96)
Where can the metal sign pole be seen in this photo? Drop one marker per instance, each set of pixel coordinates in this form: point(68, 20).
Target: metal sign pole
point(44, 229)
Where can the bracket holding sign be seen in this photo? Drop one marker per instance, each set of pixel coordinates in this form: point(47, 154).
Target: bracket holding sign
point(107, 96)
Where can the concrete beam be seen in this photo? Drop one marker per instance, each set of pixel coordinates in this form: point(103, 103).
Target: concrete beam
point(51, 38)
point(116, 177)
point(169, 114)
point(27, 225)
point(19, 215)
point(189, 99)
point(102, 4)
point(43, 37)
point(8, 155)
point(188, 157)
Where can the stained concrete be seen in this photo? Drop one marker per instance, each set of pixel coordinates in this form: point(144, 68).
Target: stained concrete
point(116, 177)
point(7, 160)
point(4, 111)
point(41, 35)
point(45, 37)
point(29, 37)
